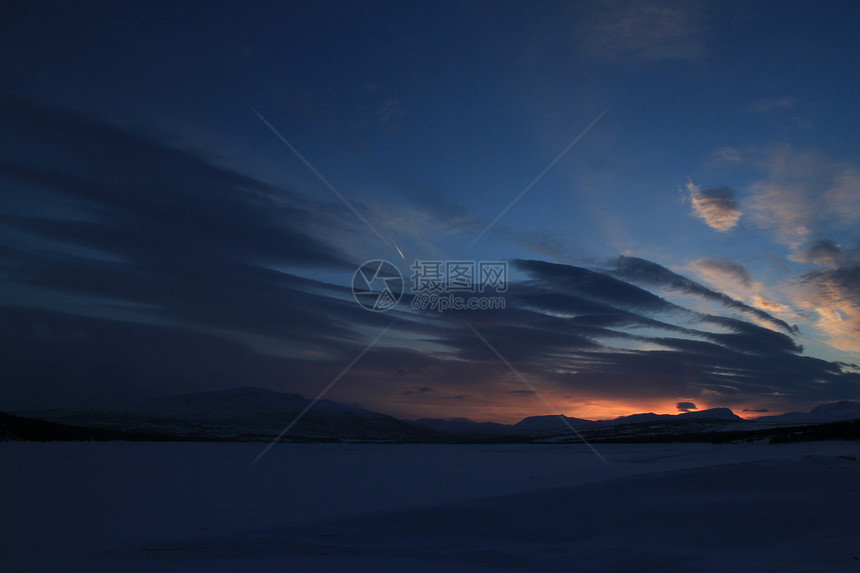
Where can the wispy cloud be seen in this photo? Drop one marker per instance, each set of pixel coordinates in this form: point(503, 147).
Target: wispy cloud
point(768, 305)
point(720, 266)
point(389, 113)
point(727, 155)
point(732, 279)
point(804, 198)
point(646, 272)
point(651, 30)
point(716, 207)
point(781, 111)
point(822, 252)
point(805, 194)
point(834, 295)
point(772, 105)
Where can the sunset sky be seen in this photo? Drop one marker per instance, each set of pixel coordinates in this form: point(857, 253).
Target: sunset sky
point(187, 191)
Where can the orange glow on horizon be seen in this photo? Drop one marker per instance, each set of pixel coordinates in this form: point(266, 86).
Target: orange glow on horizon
point(609, 409)
point(588, 410)
point(508, 409)
point(596, 410)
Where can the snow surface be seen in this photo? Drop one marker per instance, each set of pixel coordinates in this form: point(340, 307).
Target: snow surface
point(120, 506)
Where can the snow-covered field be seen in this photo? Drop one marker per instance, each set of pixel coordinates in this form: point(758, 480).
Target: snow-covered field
point(318, 507)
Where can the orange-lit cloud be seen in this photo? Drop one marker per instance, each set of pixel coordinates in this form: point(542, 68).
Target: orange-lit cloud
point(803, 194)
point(716, 207)
point(833, 296)
point(735, 280)
point(760, 302)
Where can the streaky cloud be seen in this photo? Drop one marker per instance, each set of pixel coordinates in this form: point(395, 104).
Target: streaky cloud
point(596, 285)
point(726, 267)
point(643, 271)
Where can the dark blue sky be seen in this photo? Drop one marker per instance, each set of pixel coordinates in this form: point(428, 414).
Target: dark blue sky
point(697, 243)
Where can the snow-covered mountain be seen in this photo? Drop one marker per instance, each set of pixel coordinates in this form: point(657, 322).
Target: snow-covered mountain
point(832, 412)
point(464, 426)
point(552, 424)
point(241, 414)
point(261, 414)
point(712, 414)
